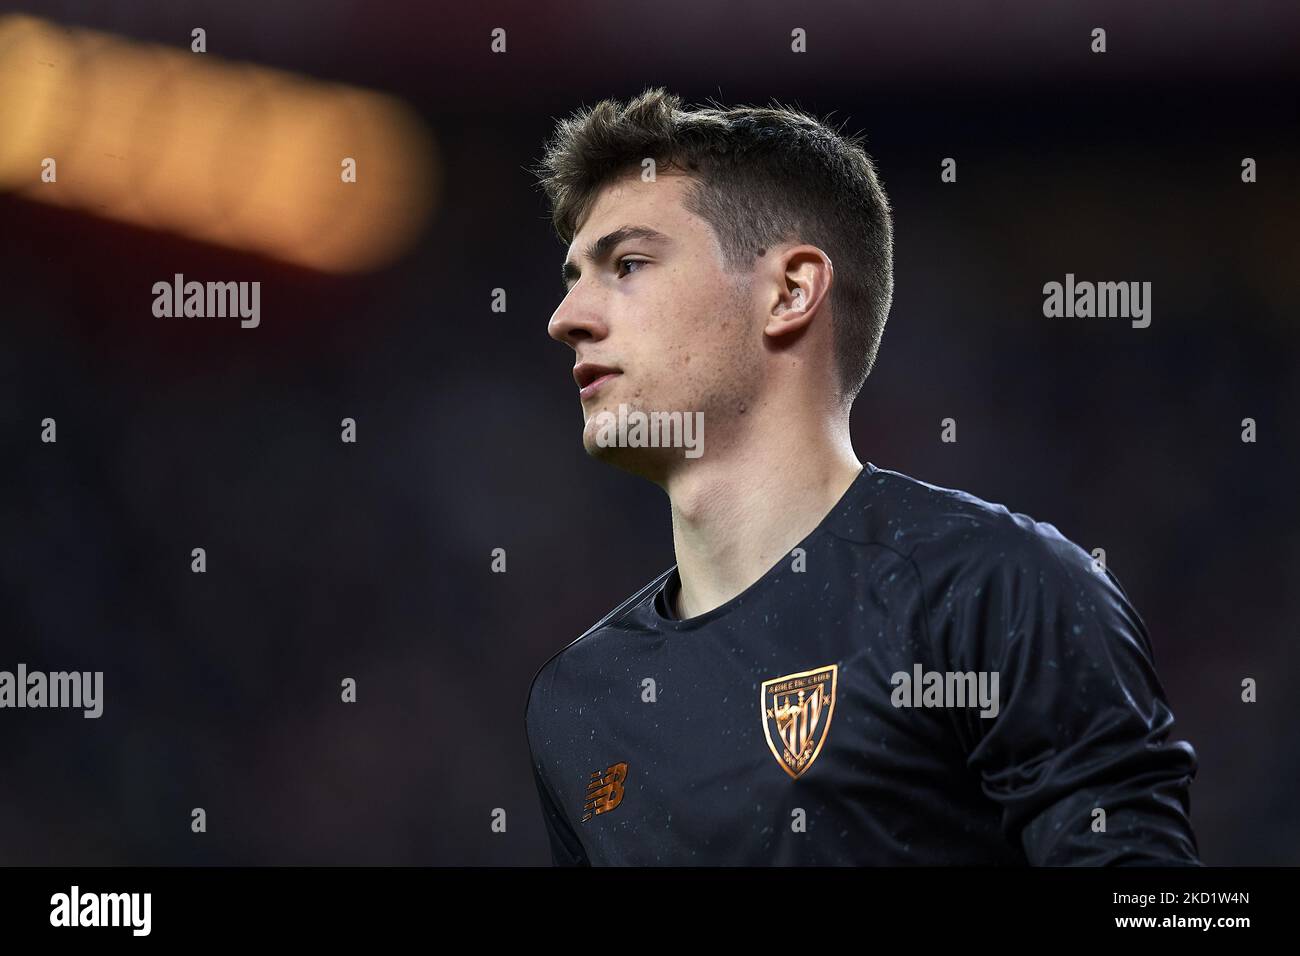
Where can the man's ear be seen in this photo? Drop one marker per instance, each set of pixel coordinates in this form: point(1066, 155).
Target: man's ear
point(801, 283)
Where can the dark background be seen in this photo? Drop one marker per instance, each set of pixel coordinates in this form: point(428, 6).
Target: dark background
point(328, 560)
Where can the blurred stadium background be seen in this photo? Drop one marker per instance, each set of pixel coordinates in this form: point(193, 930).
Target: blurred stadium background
point(371, 560)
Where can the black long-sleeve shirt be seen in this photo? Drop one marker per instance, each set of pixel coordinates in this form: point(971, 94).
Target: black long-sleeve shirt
point(805, 721)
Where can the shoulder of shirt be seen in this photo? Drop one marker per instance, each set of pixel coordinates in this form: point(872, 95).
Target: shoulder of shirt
point(613, 617)
point(943, 530)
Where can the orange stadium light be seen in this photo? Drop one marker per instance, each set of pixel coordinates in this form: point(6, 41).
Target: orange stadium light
point(321, 175)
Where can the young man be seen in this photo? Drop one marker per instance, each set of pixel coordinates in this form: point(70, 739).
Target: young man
point(846, 665)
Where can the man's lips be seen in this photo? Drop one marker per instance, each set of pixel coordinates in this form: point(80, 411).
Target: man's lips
point(590, 377)
point(589, 390)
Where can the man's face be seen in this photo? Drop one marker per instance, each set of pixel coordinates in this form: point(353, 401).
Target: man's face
point(655, 321)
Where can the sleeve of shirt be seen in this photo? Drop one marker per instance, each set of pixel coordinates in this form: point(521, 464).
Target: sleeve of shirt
point(1083, 723)
point(566, 848)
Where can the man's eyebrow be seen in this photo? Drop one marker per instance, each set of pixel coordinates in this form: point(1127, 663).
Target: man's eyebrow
point(602, 247)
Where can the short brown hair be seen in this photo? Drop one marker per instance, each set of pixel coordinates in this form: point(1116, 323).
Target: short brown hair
point(764, 176)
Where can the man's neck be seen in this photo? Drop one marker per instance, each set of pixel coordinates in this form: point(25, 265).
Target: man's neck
point(736, 515)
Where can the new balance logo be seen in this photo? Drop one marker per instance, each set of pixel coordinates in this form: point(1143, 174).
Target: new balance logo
point(605, 791)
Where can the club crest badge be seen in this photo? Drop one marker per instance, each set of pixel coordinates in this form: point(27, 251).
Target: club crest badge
point(796, 711)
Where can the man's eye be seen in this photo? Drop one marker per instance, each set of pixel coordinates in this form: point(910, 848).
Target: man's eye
point(625, 261)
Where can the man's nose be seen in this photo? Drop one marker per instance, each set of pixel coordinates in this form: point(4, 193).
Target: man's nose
point(576, 321)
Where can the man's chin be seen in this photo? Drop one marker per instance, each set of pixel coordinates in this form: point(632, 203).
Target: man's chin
point(648, 462)
point(614, 454)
